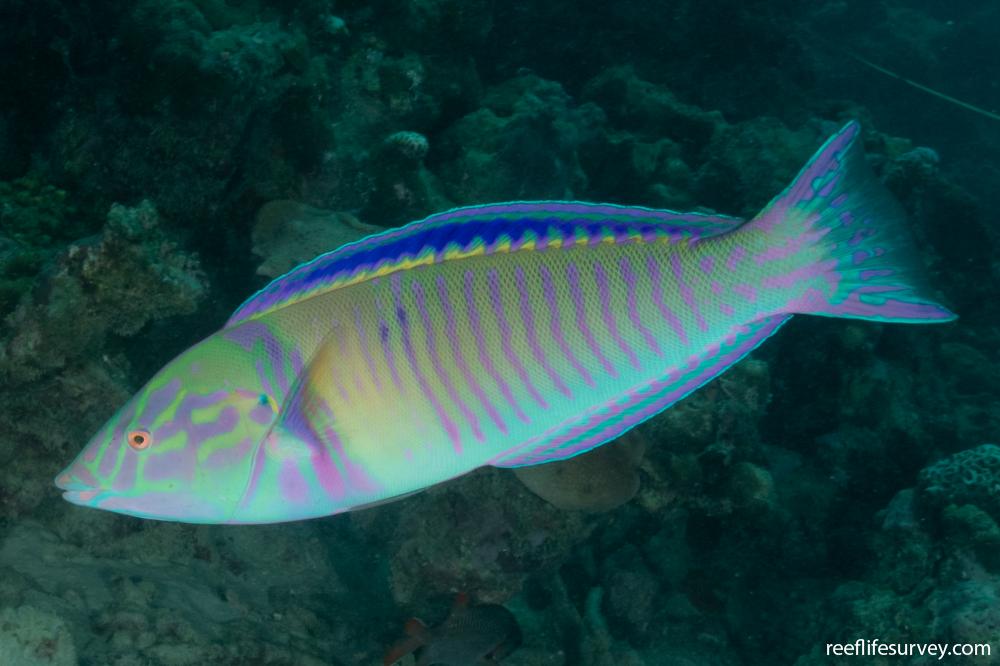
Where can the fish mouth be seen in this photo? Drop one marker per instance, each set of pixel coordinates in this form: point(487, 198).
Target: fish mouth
point(65, 481)
point(81, 497)
point(77, 491)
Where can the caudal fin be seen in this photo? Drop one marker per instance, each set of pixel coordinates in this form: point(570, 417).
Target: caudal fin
point(862, 262)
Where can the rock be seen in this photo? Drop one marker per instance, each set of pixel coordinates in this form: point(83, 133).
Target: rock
point(288, 233)
point(31, 637)
point(483, 534)
point(596, 481)
point(751, 487)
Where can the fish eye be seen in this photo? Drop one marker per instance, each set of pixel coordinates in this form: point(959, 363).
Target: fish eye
point(140, 439)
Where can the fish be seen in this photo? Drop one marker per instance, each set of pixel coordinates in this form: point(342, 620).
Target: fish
point(472, 635)
point(507, 334)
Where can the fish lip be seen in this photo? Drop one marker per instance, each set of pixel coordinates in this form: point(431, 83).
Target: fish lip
point(78, 492)
point(67, 481)
point(83, 497)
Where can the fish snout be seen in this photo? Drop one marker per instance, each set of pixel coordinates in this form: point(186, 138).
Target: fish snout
point(67, 481)
point(78, 484)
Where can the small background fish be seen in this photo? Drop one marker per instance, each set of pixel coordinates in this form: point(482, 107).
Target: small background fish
point(472, 635)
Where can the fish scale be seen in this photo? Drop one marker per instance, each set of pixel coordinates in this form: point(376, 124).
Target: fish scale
point(509, 334)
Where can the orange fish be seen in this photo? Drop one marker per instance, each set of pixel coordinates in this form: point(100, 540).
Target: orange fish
point(472, 635)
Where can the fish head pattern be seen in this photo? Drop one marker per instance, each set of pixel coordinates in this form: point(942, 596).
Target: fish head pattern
point(183, 447)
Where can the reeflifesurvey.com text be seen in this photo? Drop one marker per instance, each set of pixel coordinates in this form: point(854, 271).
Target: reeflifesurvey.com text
point(874, 647)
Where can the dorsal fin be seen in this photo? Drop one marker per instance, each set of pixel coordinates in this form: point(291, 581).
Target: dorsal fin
point(477, 230)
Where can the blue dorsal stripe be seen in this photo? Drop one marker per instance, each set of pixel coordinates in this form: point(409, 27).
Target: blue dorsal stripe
point(493, 228)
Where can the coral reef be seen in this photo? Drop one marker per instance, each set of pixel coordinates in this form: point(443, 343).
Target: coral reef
point(36, 218)
point(403, 189)
point(520, 144)
point(58, 370)
point(484, 533)
point(967, 477)
point(30, 637)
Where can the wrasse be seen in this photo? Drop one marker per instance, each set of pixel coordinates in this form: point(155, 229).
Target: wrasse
point(508, 334)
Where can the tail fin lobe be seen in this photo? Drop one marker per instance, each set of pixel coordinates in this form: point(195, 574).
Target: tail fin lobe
point(865, 265)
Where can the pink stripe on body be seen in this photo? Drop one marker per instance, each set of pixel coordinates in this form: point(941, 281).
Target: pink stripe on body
point(475, 322)
point(687, 294)
point(579, 305)
point(633, 310)
point(604, 293)
point(454, 436)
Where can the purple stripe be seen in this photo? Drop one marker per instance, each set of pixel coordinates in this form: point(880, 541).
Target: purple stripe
point(359, 326)
point(788, 248)
point(653, 266)
point(223, 424)
point(161, 398)
point(859, 236)
point(292, 484)
point(396, 280)
point(573, 277)
point(608, 423)
point(746, 291)
point(736, 255)
point(451, 330)
point(109, 459)
point(265, 383)
point(827, 160)
point(801, 275)
point(231, 456)
point(430, 337)
point(505, 337)
point(609, 316)
point(357, 479)
point(555, 326)
point(182, 417)
point(528, 317)
point(633, 311)
point(387, 350)
point(475, 323)
point(336, 370)
point(686, 292)
point(252, 333)
point(828, 188)
point(246, 335)
point(124, 479)
point(324, 465)
point(869, 274)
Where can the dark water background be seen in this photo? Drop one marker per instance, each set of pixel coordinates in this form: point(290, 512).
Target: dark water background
point(813, 495)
